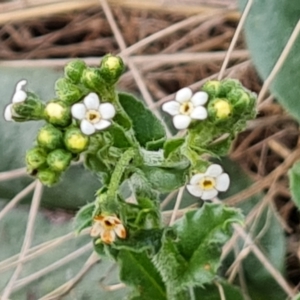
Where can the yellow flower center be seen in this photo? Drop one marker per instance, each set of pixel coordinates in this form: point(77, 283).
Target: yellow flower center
point(93, 116)
point(223, 109)
point(207, 183)
point(186, 108)
point(55, 110)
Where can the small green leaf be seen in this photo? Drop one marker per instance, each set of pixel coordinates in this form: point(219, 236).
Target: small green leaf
point(165, 180)
point(84, 217)
point(137, 270)
point(193, 257)
point(119, 136)
point(209, 225)
point(172, 145)
point(294, 177)
point(146, 126)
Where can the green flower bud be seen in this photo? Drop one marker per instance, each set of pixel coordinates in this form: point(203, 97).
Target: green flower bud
point(229, 84)
point(48, 177)
point(58, 113)
point(67, 91)
point(212, 88)
point(219, 109)
point(92, 79)
point(111, 68)
point(75, 140)
point(59, 160)
point(74, 69)
point(240, 100)
point(31, 109)
point(50, 137)
point(36, 158)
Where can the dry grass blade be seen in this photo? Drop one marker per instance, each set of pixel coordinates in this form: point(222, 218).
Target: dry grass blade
point(27, 239)
point(47, 270)
point(14, 201)
point(68, 286)
point(8, 175)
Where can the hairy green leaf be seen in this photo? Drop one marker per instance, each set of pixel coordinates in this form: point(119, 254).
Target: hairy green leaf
point(146, 126)
point(137, 271)
point(84, 217)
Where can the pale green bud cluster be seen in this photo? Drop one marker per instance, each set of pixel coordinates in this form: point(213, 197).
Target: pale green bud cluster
point(69, 123)
point(229, 101)
point(56, 149)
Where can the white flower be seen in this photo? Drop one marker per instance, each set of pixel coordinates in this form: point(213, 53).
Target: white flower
point(207, 185)
point(18, 97)
point(93, 115)
point(107, 228)
point(186, 107)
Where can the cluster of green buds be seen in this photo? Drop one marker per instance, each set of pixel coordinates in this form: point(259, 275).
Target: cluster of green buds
point(71, 118)
point(229, 101)
point(218, 101)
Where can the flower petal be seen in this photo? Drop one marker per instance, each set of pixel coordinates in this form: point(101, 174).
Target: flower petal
point(199, 98)
point(222, 182)
point(181, 121)
point(108, 236)
point(19, 96)
point(194, 190)
point(120, 231)
point(8, 113)
point(184, 95)
point(209, 194)
point(96, 229)
point(171, 107)
point(199, 113)
point(20, 85)
point(78, 111)
point(87, 128)
point(196, 178)
point(91, 101)
point(102, 124)
point(107, 111)
point(214, 170)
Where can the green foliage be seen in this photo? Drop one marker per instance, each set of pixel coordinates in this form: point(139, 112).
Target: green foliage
point(294, 177)
point(146, 126)
point(84, 217)
point(266, 37)
point(165, 180)
point(191, 257)
point(172, 145)
point(211, 292)
point(137, 270)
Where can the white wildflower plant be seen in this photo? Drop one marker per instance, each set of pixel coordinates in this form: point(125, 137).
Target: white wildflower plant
point(186, 107)
point(19, 96)
point(93, 114)
point(207, 185)
point(138, 160)
point(107, 228)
